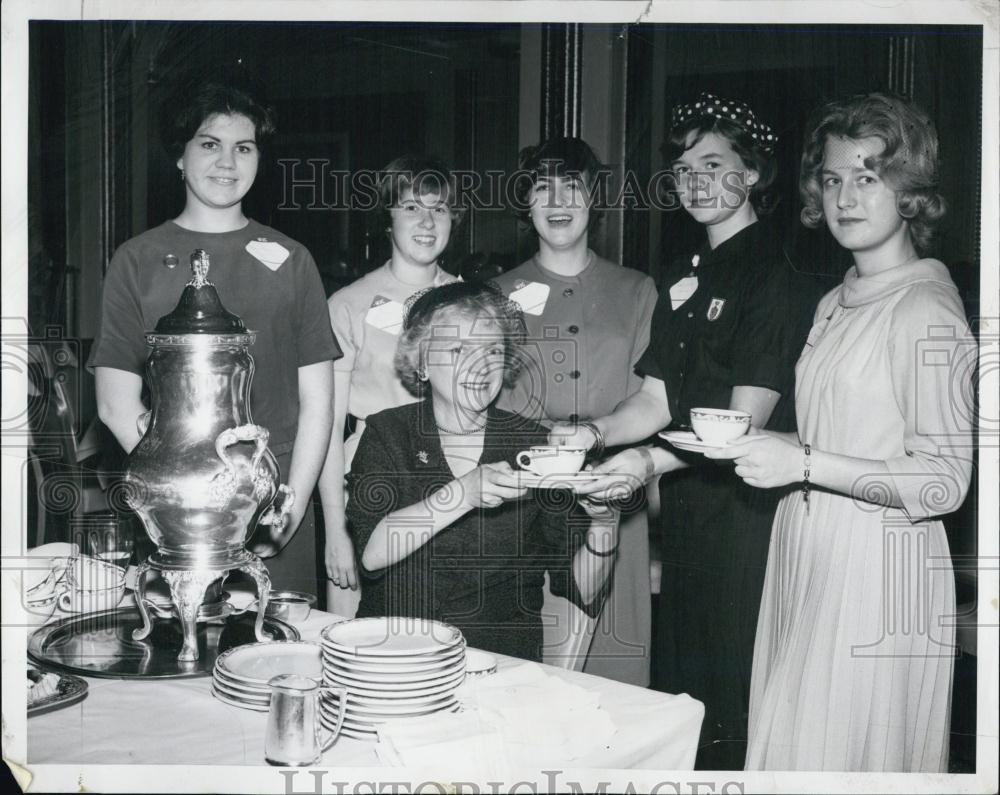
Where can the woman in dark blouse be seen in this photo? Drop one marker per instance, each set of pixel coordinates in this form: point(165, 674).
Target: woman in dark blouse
point(728, 327)
point(442, 524)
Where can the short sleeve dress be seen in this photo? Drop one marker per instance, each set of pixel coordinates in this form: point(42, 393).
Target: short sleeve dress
point(853, 661)
point(367, 318)
point(272, 283)
point(585, 335)
point(744, 325)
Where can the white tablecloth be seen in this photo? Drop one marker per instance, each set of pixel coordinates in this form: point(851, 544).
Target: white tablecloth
point(178, 721)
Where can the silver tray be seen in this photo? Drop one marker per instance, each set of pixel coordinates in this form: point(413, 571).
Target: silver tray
point(101, 644)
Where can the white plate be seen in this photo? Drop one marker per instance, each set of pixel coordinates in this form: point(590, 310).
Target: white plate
point(237, 703)
point(257, 663)
point(391, 636)
point(221, 678)
point(396, 693)
point(393, 665)
point(350, 731)
point(373, 674)
point(354, 724)
point(236, 695)
point(479, 663)
point(533, 481)
point(687, 440)
point(394, 687)
point(382, 709)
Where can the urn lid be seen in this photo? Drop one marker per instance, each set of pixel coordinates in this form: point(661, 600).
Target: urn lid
point(200, 311)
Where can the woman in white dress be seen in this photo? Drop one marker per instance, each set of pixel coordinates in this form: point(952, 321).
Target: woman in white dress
point(853, 660)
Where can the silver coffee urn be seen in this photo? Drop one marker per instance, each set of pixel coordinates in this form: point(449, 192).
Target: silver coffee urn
point(202, 478)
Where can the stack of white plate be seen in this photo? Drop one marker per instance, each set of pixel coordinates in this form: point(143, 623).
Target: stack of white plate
point(393, 668)
point(241, 674)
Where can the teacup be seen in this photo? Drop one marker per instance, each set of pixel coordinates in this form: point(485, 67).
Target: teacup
point(718, 426)
point(92, 585)
point(39, 610)
point(47, 568)
point(91, 600)
point(552, 459)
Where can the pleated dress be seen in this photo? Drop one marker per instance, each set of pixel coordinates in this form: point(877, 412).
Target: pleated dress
point(853, 658)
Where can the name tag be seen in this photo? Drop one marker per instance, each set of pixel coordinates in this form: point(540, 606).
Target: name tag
point(682, 290)
point(386, 315)
point(531, 297)
point(267, 251)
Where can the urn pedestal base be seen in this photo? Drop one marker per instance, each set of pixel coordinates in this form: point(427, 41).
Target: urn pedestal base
point(188, 583)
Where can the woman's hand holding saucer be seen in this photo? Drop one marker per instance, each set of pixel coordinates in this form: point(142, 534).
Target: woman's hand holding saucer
point(763, 460)
point(490, 485)
point(624, 474)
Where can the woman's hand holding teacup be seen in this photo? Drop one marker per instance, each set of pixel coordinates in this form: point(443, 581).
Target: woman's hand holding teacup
point(764, 460)
point(490, 485)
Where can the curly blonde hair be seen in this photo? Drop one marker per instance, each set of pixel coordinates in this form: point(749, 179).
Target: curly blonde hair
point(474, 299)
point(908, 161)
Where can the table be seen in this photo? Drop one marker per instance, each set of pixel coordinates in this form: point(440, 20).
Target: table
point(178, 721)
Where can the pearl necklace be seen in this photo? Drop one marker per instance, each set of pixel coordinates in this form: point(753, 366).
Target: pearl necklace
point(460, 433)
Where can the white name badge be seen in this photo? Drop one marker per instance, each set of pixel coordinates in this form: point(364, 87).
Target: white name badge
point(531, 297)
point(386, 315)
point(267, 251)
point(683, 290)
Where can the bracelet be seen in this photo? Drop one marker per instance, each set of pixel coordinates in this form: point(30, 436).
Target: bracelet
point(807, 465)
point(592, 551)
point(598, 447)
point(647, 458)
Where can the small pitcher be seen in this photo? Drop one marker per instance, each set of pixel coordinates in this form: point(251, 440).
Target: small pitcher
point(294, 735)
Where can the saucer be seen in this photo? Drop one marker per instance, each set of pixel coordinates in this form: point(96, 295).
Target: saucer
point(533, 481)
point(688, 440)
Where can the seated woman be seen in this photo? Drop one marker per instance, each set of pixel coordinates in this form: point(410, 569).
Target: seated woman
point(439, 518)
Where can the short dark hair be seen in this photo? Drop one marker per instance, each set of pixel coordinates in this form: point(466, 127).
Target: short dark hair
point(689, 132)
point(474, 298)
point(555, 157)
point(421, 174)
point(908, 161)
point(196, 98)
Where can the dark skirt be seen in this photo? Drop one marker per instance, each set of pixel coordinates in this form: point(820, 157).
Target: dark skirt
point(715, 532)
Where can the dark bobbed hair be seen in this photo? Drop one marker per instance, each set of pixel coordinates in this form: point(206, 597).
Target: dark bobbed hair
point(480, 300)
point(197, 97)
point(749, 151)
point(422, 174)
point(555, 157)
point(908, 161)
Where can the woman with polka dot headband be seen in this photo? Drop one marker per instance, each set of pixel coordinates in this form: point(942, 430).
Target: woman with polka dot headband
point(728, 327)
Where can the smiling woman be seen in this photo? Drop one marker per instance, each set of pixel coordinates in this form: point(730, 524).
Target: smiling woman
point(443, 524)
point(588, 322)
point(215, 129)
point(417, 211)
point(219, 163)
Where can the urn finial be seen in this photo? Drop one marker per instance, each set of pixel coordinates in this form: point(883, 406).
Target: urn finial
point(200, 264)
point(200, 311)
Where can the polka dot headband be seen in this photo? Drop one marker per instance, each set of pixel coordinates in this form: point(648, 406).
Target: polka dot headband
point(732, 109)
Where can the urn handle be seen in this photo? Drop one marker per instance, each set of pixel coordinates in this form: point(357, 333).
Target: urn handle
point(224, 484)
point(242, 433)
